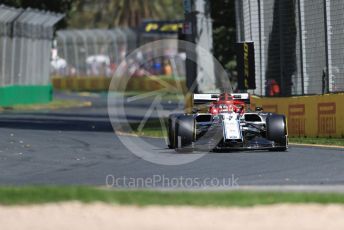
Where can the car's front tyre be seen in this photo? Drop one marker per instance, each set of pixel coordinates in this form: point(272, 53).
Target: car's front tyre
point(185, 132)
point(276, 130)
point(172, 137)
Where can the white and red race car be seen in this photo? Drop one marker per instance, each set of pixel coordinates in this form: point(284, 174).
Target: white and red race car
point(226, 124)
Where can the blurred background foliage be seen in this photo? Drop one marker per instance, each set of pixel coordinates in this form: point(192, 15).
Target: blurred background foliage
point(60, 6)
point(105, 13)
point(224, 34)
point(112, 13)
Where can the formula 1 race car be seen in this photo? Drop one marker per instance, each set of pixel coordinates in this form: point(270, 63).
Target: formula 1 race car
point(225, 122)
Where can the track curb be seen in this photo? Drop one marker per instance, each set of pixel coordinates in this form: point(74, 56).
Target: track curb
point(317, 146)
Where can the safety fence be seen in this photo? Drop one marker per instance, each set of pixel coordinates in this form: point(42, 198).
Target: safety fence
point(25, 48)
point(25, 45)
point(308, 116)
point(298, 44)
point(93, 52)
point(97, 52)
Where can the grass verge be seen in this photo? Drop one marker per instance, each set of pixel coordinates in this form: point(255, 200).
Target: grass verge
point(317, 141)
point(39, 195)
point(55, 104)
point(152, 128)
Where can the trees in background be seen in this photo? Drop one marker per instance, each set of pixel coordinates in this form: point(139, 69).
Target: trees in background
point(50, 5)
point(224, 34)
point(105, 13)
point(58, 6)
point(112, 13)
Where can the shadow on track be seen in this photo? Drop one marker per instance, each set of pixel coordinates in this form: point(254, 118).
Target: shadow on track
point(57, 124)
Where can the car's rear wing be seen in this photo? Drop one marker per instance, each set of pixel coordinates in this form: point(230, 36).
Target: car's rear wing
point(245, 97)
point(205, 98)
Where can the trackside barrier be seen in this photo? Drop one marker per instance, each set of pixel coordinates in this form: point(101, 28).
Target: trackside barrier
point(26, 37)
point(81, 83)
point(102, 84)
point(308, 116)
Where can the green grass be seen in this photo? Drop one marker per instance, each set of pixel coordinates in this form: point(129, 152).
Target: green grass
point(317, 141)
point(55, 104)
point(152, 128)
point(38, 195)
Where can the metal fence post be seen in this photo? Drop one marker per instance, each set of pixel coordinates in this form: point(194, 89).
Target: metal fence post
point(327, 52)
point(305, 77)
point(262, 83)
point(327, 22)
point(301, 46)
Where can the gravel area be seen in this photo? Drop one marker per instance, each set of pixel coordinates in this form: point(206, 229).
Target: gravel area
point(103, 216)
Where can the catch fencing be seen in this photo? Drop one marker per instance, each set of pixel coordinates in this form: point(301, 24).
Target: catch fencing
point(25, 46)
point(299, 44)
point(93, 52)
point(98, 53)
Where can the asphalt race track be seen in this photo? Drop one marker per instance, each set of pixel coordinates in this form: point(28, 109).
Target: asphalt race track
point(79, 147)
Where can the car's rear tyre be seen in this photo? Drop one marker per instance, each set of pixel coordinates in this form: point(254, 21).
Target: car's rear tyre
point(276, 130)
point(185, 131)
point(172, 140)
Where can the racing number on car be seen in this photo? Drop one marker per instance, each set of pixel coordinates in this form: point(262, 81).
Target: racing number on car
point(327, 118)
